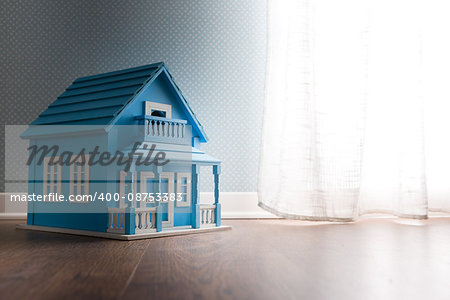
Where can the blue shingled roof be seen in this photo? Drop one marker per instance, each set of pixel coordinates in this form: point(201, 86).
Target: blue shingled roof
point(98, 99)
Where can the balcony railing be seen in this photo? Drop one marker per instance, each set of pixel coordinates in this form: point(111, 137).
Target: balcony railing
point(165, 130)
point(207, 215)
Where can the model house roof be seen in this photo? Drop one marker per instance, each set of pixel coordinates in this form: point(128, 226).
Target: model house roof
point(99, 99)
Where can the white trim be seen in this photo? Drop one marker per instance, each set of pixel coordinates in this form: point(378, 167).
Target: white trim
point(238, 205)
point(122, 177)
point(13, 216)
point(10, 208)
point(158, 106)
point(186, 175)
point(86, 180)
point(58, 169)
point(143, 181)
point(134, 186)
point(170, 207)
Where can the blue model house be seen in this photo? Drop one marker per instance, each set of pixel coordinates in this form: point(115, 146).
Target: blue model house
point(140, 117)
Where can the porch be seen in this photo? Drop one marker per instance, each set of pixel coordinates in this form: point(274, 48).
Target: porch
point(131, 217)
point(145, 219)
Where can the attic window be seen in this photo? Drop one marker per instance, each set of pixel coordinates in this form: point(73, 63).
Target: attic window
point(158, 109)
point(158, 113)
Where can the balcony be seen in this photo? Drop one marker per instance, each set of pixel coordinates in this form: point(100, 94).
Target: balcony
point(157, 129)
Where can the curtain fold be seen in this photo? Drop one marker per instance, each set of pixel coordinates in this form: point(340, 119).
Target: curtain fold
point(344, 129)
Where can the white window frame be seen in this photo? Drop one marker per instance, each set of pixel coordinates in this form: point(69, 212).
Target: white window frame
point(143, 183)
point(149, 106)
point(170, 204)
point(122, 185)
point(75, 189)
point(55, 186)
point(180, 176)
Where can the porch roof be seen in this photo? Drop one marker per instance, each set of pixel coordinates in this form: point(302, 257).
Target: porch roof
point(175, 153)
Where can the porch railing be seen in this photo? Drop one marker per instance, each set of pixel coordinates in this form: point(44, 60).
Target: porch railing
point(145, 220)
point(116, 220)
point(207, 215)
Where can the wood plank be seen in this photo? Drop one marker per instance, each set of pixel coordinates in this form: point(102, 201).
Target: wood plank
point(258, 259)
point(42, 265)
point(280, 259)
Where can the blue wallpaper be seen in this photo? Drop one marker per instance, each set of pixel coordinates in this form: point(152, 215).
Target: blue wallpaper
point(215, 50)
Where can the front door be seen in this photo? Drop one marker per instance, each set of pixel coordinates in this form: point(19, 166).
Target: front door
point(167, 188)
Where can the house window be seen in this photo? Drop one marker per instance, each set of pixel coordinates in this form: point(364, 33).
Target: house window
point(51, 176)
point(158, 110)
point(183, 189)
point(127, 184)
point(79, 179)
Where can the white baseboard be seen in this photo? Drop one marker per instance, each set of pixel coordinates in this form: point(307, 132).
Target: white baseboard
point(238, 205)
point(12, 209)
point(235, 205)
point(13, 216)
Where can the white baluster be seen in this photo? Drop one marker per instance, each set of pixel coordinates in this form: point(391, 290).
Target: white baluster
point(136, 221)
point(153, 220)
point(146, 220)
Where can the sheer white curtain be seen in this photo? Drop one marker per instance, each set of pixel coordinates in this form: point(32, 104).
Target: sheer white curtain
point(356, 109)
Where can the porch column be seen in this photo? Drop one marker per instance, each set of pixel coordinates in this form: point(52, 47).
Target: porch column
point(130, 211)
point(218, 210)
point(195, 197)
point(159, 210)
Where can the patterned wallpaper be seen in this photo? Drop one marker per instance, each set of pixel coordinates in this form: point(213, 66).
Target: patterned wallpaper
point(214, 48)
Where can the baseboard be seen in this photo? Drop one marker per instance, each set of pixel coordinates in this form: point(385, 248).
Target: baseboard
point(12, 209)
point(13, 216)
point(235, 205)
point(238, 205)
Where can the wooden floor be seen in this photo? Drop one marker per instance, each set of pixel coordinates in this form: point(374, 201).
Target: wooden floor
point(259, 259)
